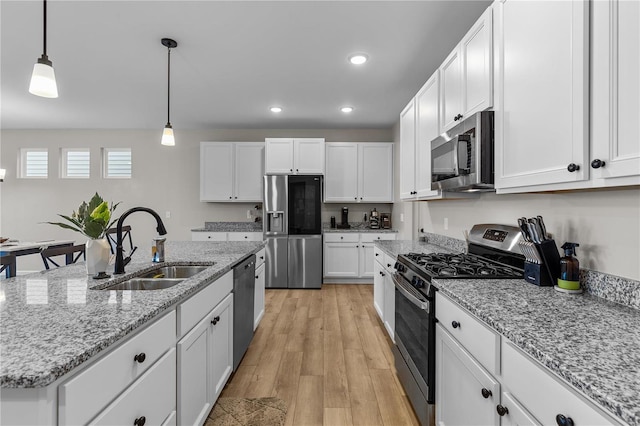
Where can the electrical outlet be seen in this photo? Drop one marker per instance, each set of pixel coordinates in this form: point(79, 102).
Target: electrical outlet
point(446, 223)
point(167, 214)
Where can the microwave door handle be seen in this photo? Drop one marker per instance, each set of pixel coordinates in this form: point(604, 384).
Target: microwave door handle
point(456, 164)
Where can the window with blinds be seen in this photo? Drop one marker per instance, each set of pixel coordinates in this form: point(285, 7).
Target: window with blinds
point(34, 163)
point(75, 163)
point(116, 162)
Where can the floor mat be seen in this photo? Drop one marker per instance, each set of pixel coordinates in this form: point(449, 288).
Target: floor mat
point(247, 412)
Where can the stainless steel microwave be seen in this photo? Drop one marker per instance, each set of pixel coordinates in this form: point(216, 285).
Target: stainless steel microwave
point(462, 158)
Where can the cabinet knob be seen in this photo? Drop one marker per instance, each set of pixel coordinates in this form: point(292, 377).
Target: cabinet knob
point(597, 163)
point(209, 237)
point(388, 265)
point(355, 198)
point(455, 324)
point(486, 393)
point(297, 170)
point(457, 117)
point(140, 421)
point(256, 277)
point(140, 357)
point(562, 420)
point(360, 198)
point(230, 198)
point(502, 410)
point(236, 198)
point(376, 254)
point(245, 237)
point(261, 257)
point(290, 170)
point(342, 238)
point(382, 273)
point(216, 319)
point(573, 167)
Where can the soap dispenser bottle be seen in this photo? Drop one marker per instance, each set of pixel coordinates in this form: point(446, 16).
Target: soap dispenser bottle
point(569, 268)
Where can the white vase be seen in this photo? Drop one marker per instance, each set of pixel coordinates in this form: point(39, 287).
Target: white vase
point(97, 253)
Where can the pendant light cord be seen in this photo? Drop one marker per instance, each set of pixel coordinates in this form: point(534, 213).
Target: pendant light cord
point(44, 3)
point(168, 84)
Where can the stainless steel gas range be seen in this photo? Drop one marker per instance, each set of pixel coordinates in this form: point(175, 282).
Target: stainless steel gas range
point(493, 253)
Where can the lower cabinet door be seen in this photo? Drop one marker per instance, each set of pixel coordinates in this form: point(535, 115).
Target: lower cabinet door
point(465, 393)
point(194, 401)
point(151, 399)
point(516, 415)
point(220, 346)
point(378, 288)
point(366, 260)
point(389, 304)
point(258, 301)
point(341, 260)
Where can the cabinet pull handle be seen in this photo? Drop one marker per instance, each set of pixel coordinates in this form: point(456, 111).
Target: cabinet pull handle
point(140, 421)
point(215, 319)
point(486, 393)
point(597, 163)
point(455, 324)
point(502, 410)
point(573, 167)
point(562, 420)
point(140, 357)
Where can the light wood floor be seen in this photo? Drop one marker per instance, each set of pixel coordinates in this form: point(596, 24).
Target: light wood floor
point(326, 354)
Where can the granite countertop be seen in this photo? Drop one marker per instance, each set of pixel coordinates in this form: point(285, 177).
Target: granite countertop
point(52, 321)
point(592, 343)
point(355, 227)
point(230, 227)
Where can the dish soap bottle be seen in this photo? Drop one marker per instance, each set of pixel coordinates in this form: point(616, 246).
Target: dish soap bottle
point(569, 268)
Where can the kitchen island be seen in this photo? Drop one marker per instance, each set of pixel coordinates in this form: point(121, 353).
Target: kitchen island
point(56, 323)
point(587, 344)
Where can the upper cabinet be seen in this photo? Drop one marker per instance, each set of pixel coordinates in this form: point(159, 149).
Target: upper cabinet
point(359, 172)
point(542, 93)
point(407, 151)
point(231, 171)
point(294, 156)
point(467, 74)
point(615, 155)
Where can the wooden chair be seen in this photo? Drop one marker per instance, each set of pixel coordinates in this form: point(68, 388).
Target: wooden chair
point(71, 253)
point(126, 235)
point(7, 265)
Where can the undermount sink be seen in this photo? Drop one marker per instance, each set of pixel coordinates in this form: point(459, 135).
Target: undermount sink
point(159, 278)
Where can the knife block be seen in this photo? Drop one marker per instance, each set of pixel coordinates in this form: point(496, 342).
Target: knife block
point(547, 272)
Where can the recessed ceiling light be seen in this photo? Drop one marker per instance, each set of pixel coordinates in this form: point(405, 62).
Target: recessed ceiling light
point(276, 109)
point(346, 109)
point(358, 58)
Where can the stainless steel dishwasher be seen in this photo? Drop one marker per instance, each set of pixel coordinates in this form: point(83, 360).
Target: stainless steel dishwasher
point(243, 298)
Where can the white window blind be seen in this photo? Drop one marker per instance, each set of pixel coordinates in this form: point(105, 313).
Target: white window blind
point(76, 163)
point(34, 163)
point(117, 162)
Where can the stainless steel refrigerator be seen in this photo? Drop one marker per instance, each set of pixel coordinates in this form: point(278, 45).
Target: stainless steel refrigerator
point(293, 231)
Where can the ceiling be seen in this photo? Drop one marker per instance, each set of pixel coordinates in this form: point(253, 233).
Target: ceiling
point(234, 60)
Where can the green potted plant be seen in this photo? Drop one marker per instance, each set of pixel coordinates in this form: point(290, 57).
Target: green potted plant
point(93, 219)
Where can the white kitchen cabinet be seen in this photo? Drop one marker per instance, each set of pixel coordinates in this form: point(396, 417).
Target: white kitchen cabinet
point(408, 151)
point(351, 254)
point(389, 308)
point(427, 129)
point(359, 172)
point(378, 287)
point(205, 362)
point(226, 236)
point(465, 392)
point(467, 74)
point(151, 399)
point(258, 301)
point(231, 171)
point(542, 92)
point(294, 156)
point(615, 151)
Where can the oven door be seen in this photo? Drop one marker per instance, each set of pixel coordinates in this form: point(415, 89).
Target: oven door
point(415, 334)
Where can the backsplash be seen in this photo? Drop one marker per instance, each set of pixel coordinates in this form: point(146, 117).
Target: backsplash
point(620, 290)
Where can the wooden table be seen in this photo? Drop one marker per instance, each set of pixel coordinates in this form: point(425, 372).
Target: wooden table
point(15, 249)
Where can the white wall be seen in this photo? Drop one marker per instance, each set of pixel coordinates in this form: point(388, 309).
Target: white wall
point(165, 179)
point(606, 223)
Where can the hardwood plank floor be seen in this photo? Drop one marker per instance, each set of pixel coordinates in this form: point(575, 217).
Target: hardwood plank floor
point(326, 354)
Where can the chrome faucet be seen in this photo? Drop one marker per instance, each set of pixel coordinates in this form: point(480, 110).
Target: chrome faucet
point(120, 261)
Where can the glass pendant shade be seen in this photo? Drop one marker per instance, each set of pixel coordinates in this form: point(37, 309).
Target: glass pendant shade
point(167, 136)
point(43, 79)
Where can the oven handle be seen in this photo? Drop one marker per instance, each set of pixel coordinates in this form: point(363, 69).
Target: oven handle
point(413, 299)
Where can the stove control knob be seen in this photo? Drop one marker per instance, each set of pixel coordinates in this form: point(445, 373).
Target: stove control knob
point(414, 281)
point(397, 266)
point(419, 283)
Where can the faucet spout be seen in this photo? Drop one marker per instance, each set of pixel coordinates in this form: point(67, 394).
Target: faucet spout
point(120, 261)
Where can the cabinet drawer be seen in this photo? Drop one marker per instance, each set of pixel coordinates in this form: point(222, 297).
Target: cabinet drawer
point(245, 236)
point(260, 256)
point(369, 237)
point(83, 396)
point(346, 237)
point(208, 236)
point(152, 396)
point(475, 337)
point(199, 305)
point(542, 394)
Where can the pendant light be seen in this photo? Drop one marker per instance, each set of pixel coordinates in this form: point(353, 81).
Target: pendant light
point(43, 79)
point(167, 134)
